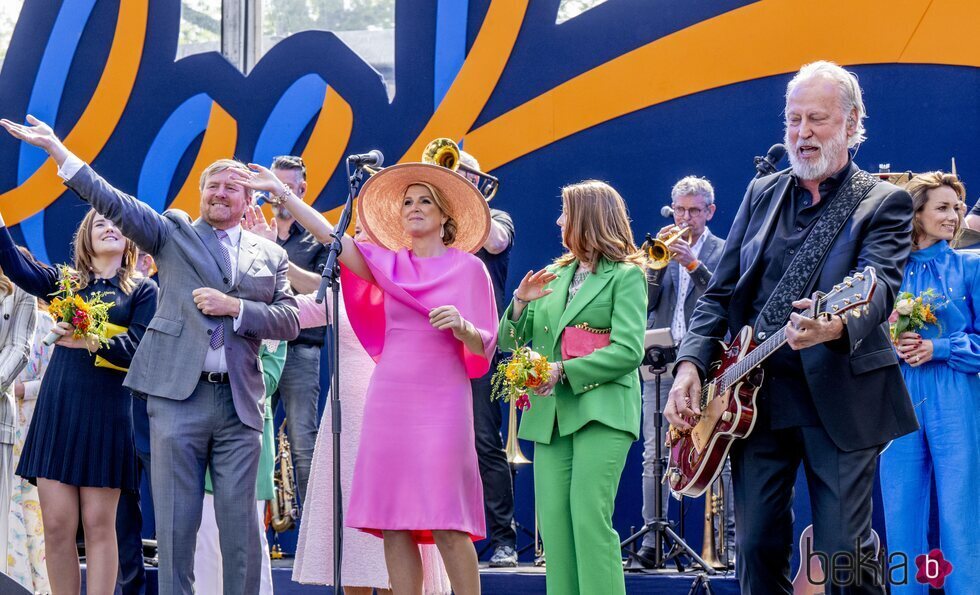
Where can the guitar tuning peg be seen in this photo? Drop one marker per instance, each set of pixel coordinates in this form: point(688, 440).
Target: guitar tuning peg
point(848, 282)
point(866, 308)
point(856, 313)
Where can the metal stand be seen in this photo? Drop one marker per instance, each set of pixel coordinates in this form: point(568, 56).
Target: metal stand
point(331, 278)
point(656, 358)
point(702, 582)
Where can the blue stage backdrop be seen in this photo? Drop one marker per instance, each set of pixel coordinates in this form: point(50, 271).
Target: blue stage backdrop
point(635, 92)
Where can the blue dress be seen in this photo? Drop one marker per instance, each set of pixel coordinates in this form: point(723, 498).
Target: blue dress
point(82, 430)
point(946, 395)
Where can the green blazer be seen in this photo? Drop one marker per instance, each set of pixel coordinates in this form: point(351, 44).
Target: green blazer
point(604, 385)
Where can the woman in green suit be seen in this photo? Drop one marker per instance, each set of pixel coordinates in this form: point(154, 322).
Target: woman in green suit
point(584, 420)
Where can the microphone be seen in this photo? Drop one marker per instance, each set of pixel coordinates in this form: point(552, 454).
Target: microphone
point(767, 165)
point(667, 212)
point(373, 158)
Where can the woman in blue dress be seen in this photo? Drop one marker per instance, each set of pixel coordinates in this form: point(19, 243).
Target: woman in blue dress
point(940, 365)
point(79, 447)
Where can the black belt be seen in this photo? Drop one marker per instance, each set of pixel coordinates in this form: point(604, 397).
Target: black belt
point(215, 377)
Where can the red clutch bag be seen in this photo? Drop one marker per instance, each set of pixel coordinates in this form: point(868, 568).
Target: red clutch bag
point(581, 340)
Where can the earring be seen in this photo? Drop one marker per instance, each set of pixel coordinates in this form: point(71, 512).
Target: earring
point(442, 230)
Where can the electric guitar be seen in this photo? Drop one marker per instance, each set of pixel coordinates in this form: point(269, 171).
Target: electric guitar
point(728, 397)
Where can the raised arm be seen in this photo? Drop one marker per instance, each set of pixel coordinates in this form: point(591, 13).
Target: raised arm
point(134, 218)
point(263, 180)
point(33, 277)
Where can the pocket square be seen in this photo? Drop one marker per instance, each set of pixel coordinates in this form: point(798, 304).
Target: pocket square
point(263, 272)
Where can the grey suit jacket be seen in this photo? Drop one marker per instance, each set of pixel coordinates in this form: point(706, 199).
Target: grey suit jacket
point(170, 358)
point(662, 284)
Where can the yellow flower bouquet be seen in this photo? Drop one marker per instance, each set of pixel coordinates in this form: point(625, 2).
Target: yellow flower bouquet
point(90, 318)
point(522, 371)
point(914, 312)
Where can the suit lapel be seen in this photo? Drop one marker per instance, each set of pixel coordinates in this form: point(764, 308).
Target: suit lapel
point(555, 305)
point(248, 250)
point(204, 231)
point(780, 192)
point(593, 284)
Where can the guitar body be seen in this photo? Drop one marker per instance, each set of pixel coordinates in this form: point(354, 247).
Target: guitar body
point(697, 456)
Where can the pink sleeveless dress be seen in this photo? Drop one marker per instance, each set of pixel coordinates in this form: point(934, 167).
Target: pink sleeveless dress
point(416, 467)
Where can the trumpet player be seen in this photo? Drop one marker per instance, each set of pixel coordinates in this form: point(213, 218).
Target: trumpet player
point(673, 291)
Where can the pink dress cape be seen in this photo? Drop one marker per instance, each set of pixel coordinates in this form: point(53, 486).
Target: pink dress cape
point(416, 467)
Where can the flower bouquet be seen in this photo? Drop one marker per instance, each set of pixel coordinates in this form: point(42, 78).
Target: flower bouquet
point(521, 372)
point(90, 318)
point(913, 312)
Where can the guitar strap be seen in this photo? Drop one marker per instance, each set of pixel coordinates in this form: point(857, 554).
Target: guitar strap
point(807, 261)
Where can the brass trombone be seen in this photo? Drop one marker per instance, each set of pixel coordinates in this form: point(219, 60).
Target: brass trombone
point(658, 248)
point(513, 447)
point(445, 152)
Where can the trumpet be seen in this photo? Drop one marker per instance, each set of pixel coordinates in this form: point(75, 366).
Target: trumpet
point(445, 152)
point(658, 248)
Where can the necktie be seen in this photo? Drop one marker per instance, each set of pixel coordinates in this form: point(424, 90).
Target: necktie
point(218, 332)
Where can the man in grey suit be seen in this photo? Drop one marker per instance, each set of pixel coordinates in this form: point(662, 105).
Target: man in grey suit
point(673, 291)
point(222, 290)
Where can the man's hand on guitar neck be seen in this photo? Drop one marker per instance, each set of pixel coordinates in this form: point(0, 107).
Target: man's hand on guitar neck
point(803, 332)
point(684, 400)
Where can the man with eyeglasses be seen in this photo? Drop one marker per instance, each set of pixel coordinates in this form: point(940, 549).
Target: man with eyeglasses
point(299, 386)
point(673, 291)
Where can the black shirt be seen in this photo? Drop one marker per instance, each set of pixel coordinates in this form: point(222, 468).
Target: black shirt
point(308, 254)
point(785, 388)
point(497, 264)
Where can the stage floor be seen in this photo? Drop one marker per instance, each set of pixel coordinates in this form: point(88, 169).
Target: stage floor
point(523, 580)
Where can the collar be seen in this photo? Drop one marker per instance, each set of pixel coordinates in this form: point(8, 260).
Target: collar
point(931, 252)
point(234, 234)
point(831, 184)
point(114, 281)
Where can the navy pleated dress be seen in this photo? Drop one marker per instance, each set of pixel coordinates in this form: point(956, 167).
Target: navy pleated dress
point(82, 431)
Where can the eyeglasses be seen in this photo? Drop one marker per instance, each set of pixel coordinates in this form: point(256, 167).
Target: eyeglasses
point(693, 211)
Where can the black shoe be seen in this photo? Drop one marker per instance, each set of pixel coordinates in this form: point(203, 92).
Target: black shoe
point(503, 557)
point(647, 557)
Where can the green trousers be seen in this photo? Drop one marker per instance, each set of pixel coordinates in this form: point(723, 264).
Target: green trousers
point(575, 482)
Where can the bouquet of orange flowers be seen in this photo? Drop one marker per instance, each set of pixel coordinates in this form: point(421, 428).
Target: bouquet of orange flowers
point(522, 371)
point(88, 317)
point(913, 312)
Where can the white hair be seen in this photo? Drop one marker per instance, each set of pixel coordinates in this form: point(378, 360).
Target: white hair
point(695, 185)
point(851, 99)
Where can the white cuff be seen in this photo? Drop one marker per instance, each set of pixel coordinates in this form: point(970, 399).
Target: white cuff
point(238, 319)
point(70, 167)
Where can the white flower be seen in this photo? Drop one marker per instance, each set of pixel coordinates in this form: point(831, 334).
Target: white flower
point(904, 307)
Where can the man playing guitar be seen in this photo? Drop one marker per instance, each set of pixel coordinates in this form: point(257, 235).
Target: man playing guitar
point(833, 395)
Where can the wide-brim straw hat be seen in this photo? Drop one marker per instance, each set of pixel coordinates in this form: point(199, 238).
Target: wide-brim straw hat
point(380, 200)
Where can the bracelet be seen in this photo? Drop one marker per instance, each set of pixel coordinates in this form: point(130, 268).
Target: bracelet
point(693, 265)
point(278, 199)
point(519, 300)
point(561, 372)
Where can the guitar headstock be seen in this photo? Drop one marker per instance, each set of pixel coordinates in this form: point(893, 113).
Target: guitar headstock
point(851, 295)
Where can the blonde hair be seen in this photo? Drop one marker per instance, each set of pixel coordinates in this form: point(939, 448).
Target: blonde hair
point(597, 225)
point(6, 285)
point(437, 197)
point(224, 164)
point(919, 187)
point(84, 253)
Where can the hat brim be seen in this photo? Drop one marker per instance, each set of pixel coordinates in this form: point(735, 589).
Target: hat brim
point(379, 205)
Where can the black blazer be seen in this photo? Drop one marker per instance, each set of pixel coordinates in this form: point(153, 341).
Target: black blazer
point(857, 387)
point(662, 284)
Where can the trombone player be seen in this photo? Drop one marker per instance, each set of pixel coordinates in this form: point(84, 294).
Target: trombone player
point(673, 290)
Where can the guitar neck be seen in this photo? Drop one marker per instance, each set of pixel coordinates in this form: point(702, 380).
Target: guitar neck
point(740, 369)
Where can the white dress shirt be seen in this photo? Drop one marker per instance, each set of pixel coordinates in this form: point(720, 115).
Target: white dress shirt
point(678, 325)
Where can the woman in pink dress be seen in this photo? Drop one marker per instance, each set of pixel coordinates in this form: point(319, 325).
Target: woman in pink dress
point(422, 306)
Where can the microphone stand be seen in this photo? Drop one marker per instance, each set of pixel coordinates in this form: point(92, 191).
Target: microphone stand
point(331, 278)
point(657, 358)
